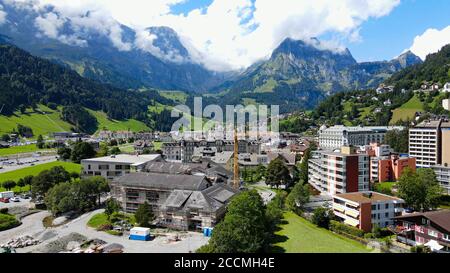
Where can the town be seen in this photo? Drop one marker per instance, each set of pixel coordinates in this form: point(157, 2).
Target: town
point(224, 127)
point(347, 178)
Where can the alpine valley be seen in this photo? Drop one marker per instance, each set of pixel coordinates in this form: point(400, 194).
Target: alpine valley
point(298, 74)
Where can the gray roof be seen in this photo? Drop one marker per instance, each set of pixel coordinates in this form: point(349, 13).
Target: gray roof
point(162, 181)
point(210, 199)
point(205, 167)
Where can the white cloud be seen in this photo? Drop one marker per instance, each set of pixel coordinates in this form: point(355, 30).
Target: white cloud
point(2, 15)
point(228, 34)
point(431, 41)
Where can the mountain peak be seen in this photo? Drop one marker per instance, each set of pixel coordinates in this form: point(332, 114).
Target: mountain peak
point(313, 49)
point(408, 58)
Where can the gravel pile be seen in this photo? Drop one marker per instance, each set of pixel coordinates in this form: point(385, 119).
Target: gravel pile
point(60, 245)
point(21, 242)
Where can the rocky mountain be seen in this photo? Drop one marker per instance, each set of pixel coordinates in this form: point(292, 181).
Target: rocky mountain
point(299, 73)
point(109, 53)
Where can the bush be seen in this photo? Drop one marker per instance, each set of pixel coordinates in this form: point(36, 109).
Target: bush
point(115, 232)
point(8, 221)
point(369, 236)
point(4, 210)
point(343, 228)
point(105, 227)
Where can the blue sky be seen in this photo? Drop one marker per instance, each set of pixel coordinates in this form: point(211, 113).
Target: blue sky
point(381, 38)
point(387, 37)
point(226, 35)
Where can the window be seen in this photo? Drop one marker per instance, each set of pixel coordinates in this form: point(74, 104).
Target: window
point(386, 215)
point(432, 233)
point(446, 237)
point(386, 206)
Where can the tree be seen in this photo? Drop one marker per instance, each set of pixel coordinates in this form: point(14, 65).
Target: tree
point(277, 173)
point(111, 206)
point(65, 153)
point(9, 184)
point(115, 151)
point(21, 183)
point(260, 172)
point(28, 180)
point(303, 176)
point(24, 131)
point(146, 151)
point(274, 211)
point(6, 138)
point(143, 215)
point(243, 229)
point(420, 190)
point(40, 143)
point(322, 217)
point(298, 197)
point(61, 198)
point(82, 150)
point(43, 182)
point(398, 140)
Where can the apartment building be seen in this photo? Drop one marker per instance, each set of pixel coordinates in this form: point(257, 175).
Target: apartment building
point(390, 168)
point(431, 229)
point(443, 177)
point(113, 166)
point(339, 172)
point(339, 135)
point(425, 143)
point(365, 209)
point(429, 142)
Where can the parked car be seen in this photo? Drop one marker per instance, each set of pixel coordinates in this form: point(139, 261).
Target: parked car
point(25, 196)
point(4, 200)
point(15, 199)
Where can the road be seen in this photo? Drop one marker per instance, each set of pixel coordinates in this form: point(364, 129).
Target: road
point(32, 225)
point(27, 161)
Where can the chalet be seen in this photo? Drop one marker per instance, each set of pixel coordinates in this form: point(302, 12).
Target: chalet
point(431, 229)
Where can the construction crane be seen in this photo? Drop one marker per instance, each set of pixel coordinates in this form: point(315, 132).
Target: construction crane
point(236, 182)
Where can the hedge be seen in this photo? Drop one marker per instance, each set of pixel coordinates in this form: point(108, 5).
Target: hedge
point(8, 221)
point(343, 228)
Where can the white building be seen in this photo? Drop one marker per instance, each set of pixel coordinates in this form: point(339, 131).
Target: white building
point(113, 166)
point(446, 104)
point(334, 173)
point(443, 176)
point(339, 135)
point(425, 143)
point(363, 210)
point(446, 87)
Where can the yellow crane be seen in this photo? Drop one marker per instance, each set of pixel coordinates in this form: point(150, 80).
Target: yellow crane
point(236, 182)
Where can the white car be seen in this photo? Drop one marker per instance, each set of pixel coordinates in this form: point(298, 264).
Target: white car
point(14, 199)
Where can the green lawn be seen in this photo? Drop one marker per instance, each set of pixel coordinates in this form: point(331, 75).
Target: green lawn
point(41, 124)
point(50, 122)
point(385, 185)
point(20, 150)
point(98, 220)
point(118, 125)
point(300, 236)
point(35, 170)
point(178, 96)
point(407, 110)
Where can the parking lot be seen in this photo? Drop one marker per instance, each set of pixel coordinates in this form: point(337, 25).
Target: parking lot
point(12, 164)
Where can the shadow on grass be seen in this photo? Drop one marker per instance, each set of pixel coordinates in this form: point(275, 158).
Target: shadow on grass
point(275, 240)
